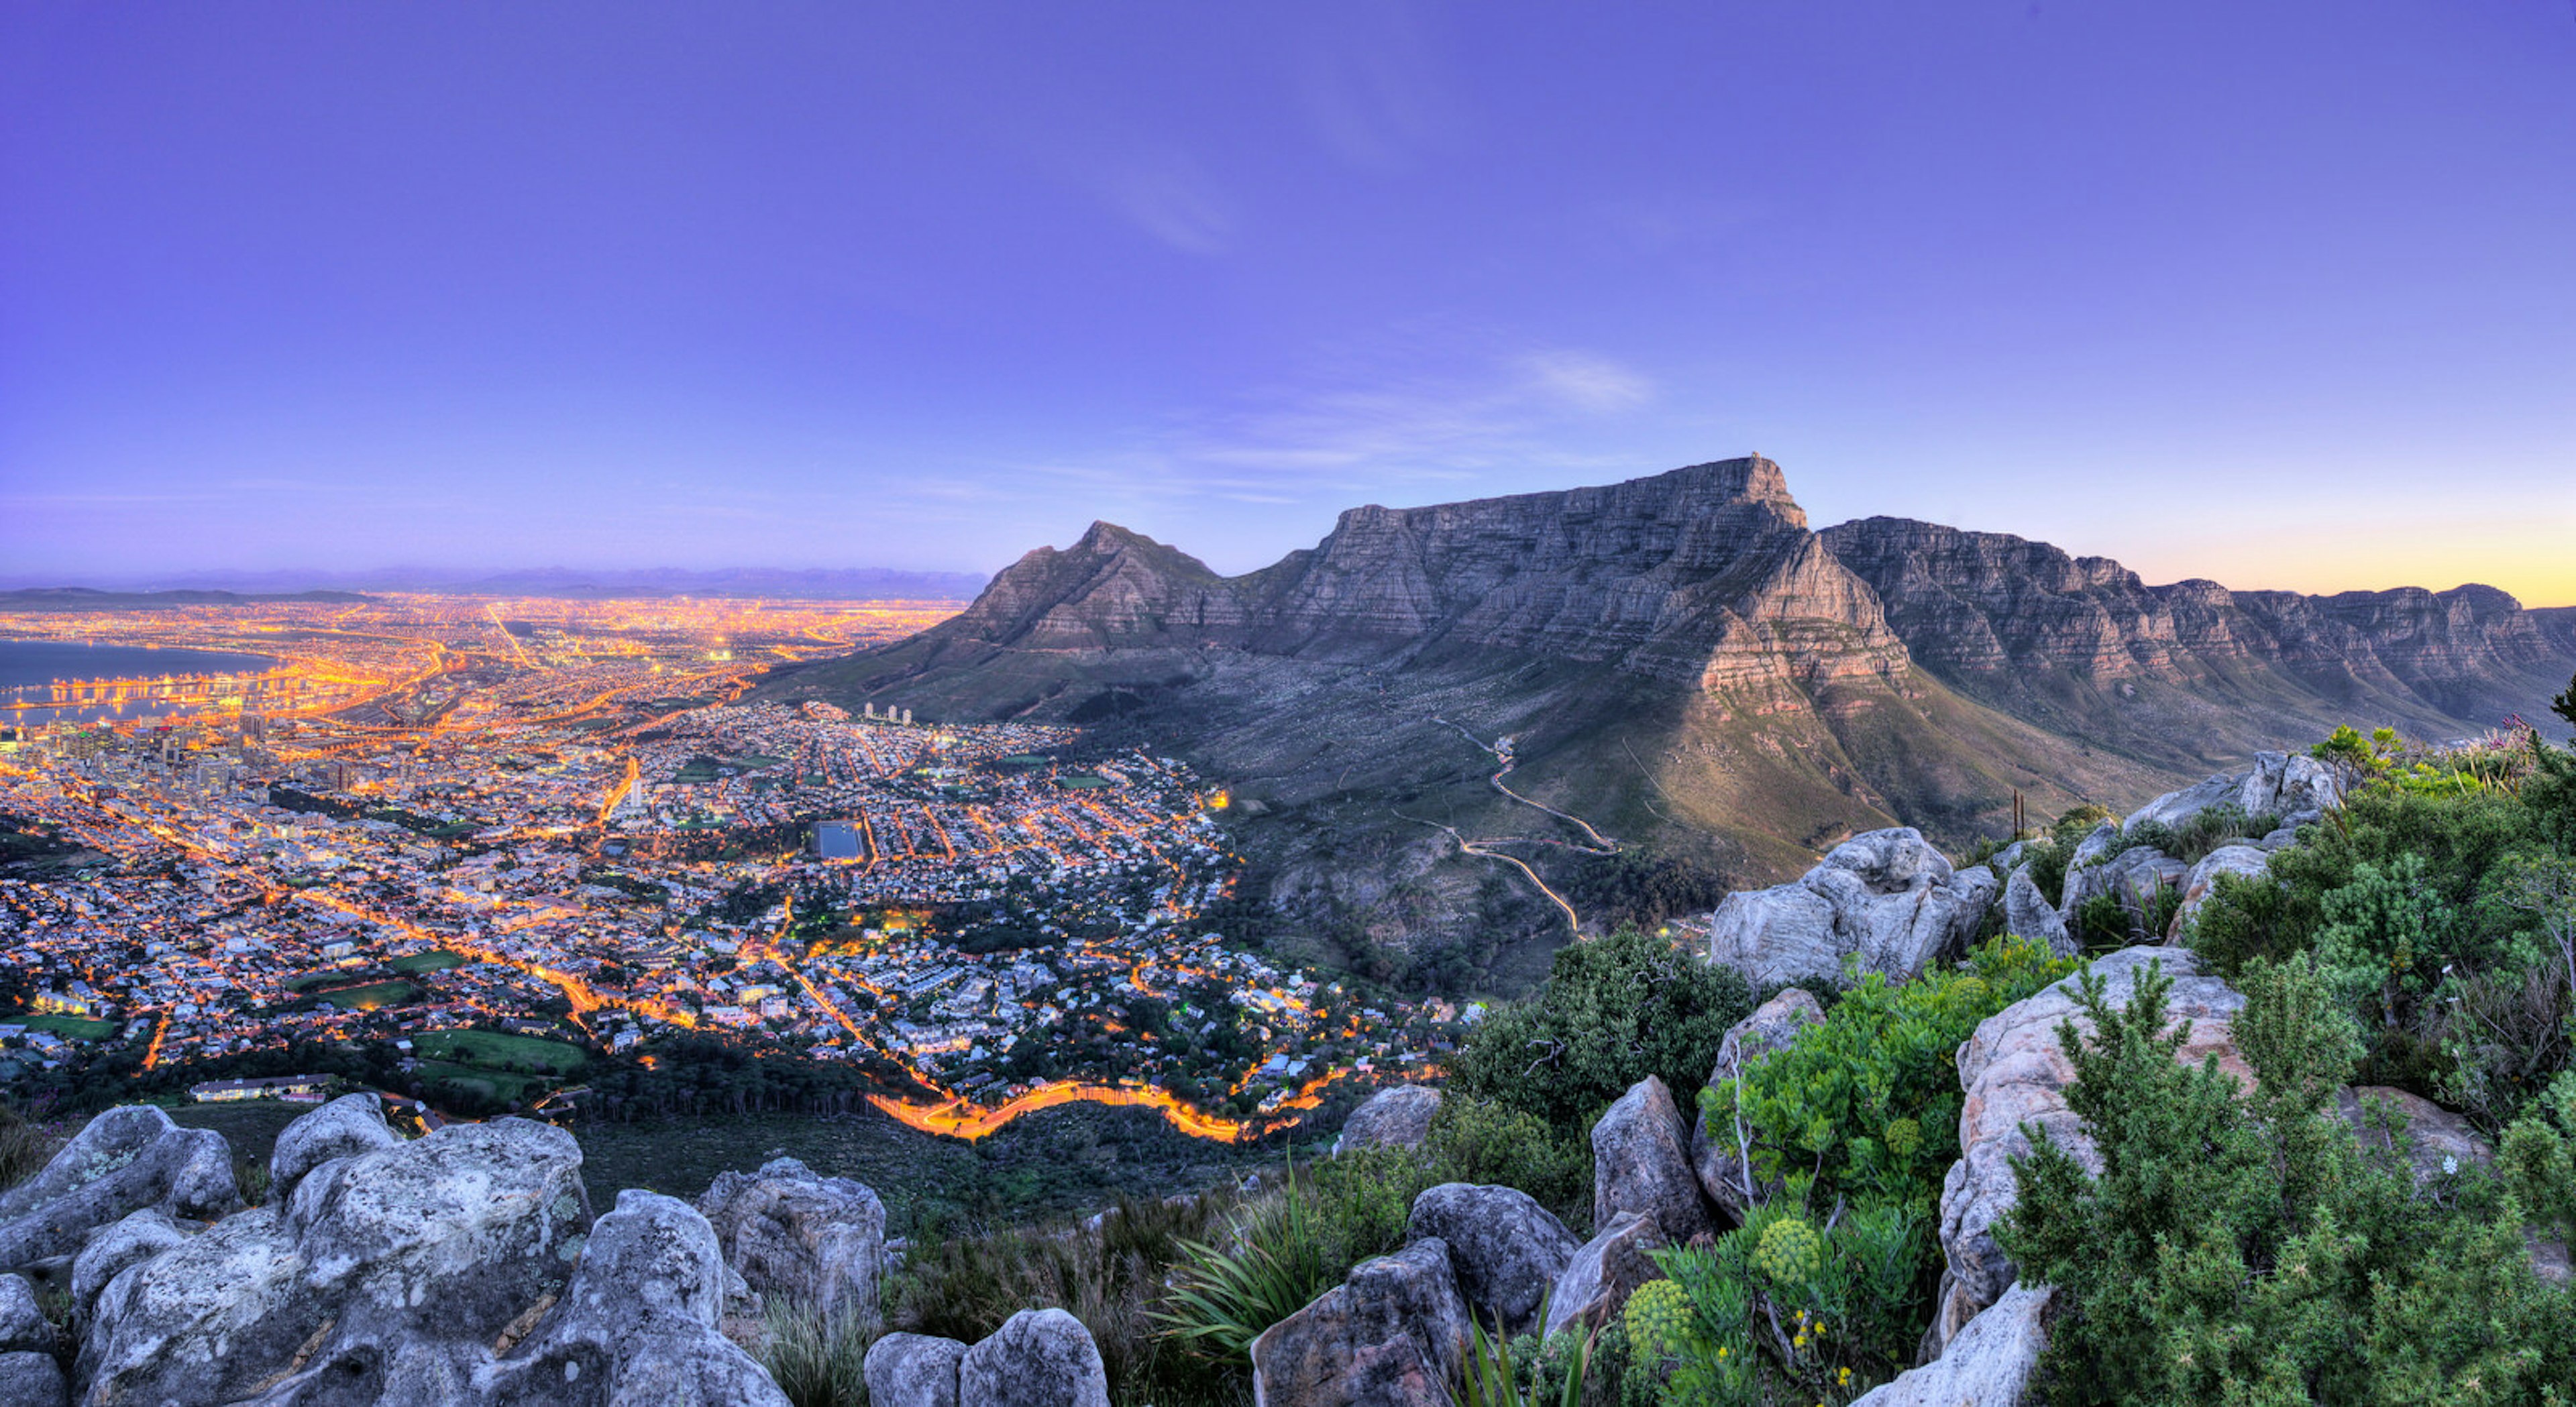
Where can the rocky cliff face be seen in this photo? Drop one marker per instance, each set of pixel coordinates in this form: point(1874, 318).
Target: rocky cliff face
point(2084, 640)
point(1704, 576)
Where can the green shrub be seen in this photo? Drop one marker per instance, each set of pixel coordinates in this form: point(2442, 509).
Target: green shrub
point(1612, 1011)
point(24, 1149)
point(1524, 1372)
point(1487, 1142)
point(1224, 1296)
point(816, 1356)
point(2245, 1247)
point(1784, 1308)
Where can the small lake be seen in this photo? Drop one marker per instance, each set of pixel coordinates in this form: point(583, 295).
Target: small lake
point(29, 667)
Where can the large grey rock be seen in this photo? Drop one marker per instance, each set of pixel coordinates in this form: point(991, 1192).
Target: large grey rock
point(348, 1125)
point(1038, 1358)
point(637, 1325)
point(1988, 1363)
point(126, 1160)
point(1602, 1273)
point(912, 1370)
point(795, 1233)
point(2176, 807)
point(1716, 1154)
point(2028, 914)
point(2015, 1075)
point(1391, 1118)
point(383, 1279)
point(1641, 1163)
point(130, 1242)
point(2134, 875)
point(2247, 861)
point(2096, 846)
point(1505, 1249)
point(31, 1380)
point(23, 1325)
point(2297, 788)
point(1391, 1335)
point(1886, 897)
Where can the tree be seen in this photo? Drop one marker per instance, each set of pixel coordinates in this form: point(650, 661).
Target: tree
point(2565, 704)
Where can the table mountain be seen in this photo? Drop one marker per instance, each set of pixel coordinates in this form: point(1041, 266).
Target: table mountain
point(1683, 663)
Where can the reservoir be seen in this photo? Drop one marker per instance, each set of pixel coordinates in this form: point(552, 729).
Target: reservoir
point(29, 668)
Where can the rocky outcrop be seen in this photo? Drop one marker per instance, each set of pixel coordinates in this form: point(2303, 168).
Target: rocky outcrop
point(1038, 1358)
point(792, 1232)
point(1989, 1362)
point(1391, 1118)
point(1641, 1163)
point(345, 1127)
point(2015, 1074)
point(31, 1380)
point(23, 1325)
point(2028, 914)
point(912, 1370)
point(2243, 861)
point(1887, 897)
point(134, 1240)
point(1602, 1273)
point(1504, 1248)
point(386, 1276)
point(1393, 1334)
point(636, 1327)
point(1716, 1156)
point(125, 1161)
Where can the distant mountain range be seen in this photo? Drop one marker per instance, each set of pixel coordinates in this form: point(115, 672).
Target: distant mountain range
point(1681, 662)
point(850, 584)
point(83, 598)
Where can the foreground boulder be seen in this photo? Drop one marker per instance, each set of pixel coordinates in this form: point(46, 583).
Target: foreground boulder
point(2014, 1075)
point(2245, 861)
point(1602, 1273)
point(1038, 1358)
point(127, 1160)
point(345, 1127)
point(384, 1278)
point(1391, 1118)
point(792, 1232)
point(912, 1370)
point(1504, 1248)
point(23, 1325)
point(637, 1325)
point(1716, 1157)
point(1641, 1163)
point(31, 1380)
point(1988, 1363)
point(1391, 1335)
point(130, 1242)
point(1886, 897)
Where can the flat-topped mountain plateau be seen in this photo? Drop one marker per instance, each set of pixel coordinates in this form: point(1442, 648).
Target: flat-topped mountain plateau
point(1647, 692)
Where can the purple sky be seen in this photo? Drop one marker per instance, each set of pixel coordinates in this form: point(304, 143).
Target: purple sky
point(2278, 293)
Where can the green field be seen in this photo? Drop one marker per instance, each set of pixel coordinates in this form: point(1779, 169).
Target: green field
point(754, 761)
point(435, 960)
point(1023, 759)
point(494, 1050)
point(78, 1028)
point(250, 1125)
point(370, 996)
point(491, 1084)
point(1081, 781)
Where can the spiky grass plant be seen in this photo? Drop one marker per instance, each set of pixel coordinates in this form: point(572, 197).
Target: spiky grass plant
point(816, 1355)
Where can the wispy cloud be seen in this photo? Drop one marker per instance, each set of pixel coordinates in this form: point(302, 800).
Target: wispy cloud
point(1170, 196)
point(1372, 93)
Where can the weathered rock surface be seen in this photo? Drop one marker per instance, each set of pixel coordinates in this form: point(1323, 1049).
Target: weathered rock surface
point(385, 1277)
point(792, 1232)
point(2134, 874)
point(913, 1370)
point(126, 1160)
point(1391, 1118)
point(1641, 1163)
point(1504, 1248)
point(31, 1380)
point(2014, 1074)
point(2246, 861)
point(1391, 1335)
point(134, 1240)
point(2293, 786)
point(1603, 1272)
point(1987, 1364)
point(2439, 1143)
point(23, 1325)
point(2028, 914)
point(1715, 1154)
point(349, 1125)
point(2176, 807)
point(1038, 1358)
point(1886, 896)
point(636, 1327)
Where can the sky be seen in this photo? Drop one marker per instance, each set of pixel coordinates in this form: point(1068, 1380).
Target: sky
point(2279, 294)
